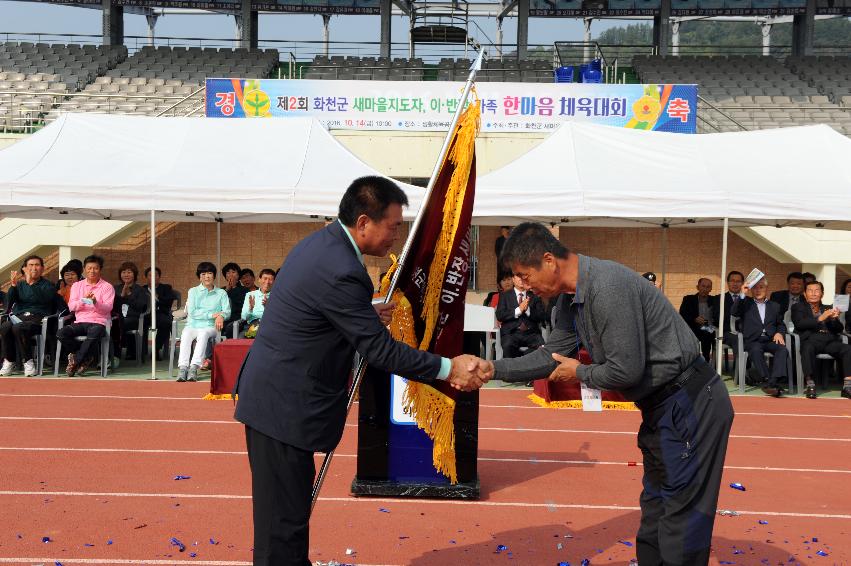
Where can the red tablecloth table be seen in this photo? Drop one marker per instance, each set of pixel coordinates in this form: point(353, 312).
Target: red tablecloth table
point(227, 361)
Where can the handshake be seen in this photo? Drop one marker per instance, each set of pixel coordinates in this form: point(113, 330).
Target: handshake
point(469, 372)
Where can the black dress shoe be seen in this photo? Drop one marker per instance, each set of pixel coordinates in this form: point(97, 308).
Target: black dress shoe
point(846, 392)
point(773, 391)
point(810, 391)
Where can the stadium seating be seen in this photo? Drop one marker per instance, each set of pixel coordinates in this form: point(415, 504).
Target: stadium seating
point(154, 79)
point(447, 69)
point(757, 92)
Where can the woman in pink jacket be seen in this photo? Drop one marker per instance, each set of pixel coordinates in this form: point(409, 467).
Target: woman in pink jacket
point(91, 302)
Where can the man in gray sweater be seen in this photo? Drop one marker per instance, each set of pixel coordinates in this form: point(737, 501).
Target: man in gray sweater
point(641, 347)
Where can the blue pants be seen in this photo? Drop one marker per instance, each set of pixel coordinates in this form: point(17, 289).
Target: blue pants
point(684, 441)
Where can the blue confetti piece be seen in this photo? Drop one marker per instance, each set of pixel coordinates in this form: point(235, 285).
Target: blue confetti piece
point(738, 486)
point(193, 554)
point(452, 542)
point(761, 522)
point(383, 510)
point(585, 562)
point(815, 539)
point(821, 553)
point(57, 564)
point(738, 552)
point(725, 562)
point(625, 542)
point(177, 478)
point(213, 541)
point(563, 564)
point(109, 542)
point(20, 536)
point(88, 544)
point(46, 540)
point(501, 548)
point(180, 546)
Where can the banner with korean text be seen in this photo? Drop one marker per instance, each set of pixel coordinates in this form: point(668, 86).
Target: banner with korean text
point(429, 105)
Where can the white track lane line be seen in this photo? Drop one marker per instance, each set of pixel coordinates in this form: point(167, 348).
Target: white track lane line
point(339, 455)
point(481, 405)
point(48, 561)
point(352, 425)
point(373, 500)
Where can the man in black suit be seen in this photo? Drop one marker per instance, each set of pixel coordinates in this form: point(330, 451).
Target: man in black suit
point(293, 384)
point(793, 294)
point(700, 314)
point(735, 280)
point(820, 331)
point(521, 314)
point(165, 297)
point(763, 330)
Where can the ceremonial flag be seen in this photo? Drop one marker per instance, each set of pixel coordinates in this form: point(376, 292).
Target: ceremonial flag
point(432, 285)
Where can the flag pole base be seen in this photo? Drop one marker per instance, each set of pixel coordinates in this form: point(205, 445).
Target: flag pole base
point(377, 488)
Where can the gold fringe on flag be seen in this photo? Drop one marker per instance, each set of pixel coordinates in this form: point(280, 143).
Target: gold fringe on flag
point(577, 404)
point(433, 411)
point(219, 397)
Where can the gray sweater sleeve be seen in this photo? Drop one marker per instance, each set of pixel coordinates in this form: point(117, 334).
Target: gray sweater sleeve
point(540, 363)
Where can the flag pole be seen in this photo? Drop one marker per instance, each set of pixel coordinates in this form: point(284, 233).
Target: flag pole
point(361, 366)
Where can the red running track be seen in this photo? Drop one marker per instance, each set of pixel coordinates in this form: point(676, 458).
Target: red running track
point(86, 462)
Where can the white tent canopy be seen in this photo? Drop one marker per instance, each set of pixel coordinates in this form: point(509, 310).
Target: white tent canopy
point(599, 175)
point(122, 167)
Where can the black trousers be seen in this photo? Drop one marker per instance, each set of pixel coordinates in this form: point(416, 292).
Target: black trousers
point(511, 343)
point(281, 485)
point(68, 336)
point(684, 441)
point(822, 343)
point(163, 328)
point(16, 339)
point(706, 339)
point(779, 364)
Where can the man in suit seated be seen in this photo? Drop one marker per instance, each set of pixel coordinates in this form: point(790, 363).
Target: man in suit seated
point(699, 312)
point(735, 280)
point(521, 314)
point(820, 330)
point(165, 300)
point(763, 330)
point(794, 293)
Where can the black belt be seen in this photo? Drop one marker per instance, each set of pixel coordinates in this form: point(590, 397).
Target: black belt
point(698, 368)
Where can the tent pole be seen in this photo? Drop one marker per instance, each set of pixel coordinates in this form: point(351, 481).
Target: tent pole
point(219, 252)
point(719, 334)
point(153, 332)
point(664, 254)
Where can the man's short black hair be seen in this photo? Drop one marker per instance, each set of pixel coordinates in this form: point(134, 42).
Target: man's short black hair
point(231, 266)
point(267, 271)
point(370, 196)
point(734, 272)
point(247, 270)
point(205, 267)
point(808, 276)
point(29, 258)
point(795, 275)
point(704, 279)
point(157, 269)
point(527, 245)
point(811, 283)
point(93, 259)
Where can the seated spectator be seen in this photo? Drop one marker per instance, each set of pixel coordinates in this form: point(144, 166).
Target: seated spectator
point(246, 279)
point(131, 302)
point(793, 294)
point(91, 302)
point(735, 280)
point(521, 314)
point(808, 278)
point(504, 284)
point(845, 288)
point(164, 296)
point(68, 275)
point(698, 310)
point(255, 302)
point(763, 330)
point(30, 299)
point(820, 330)
point(2, 301)
point(207, 308)
point(652, 278)
point(236, 294)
